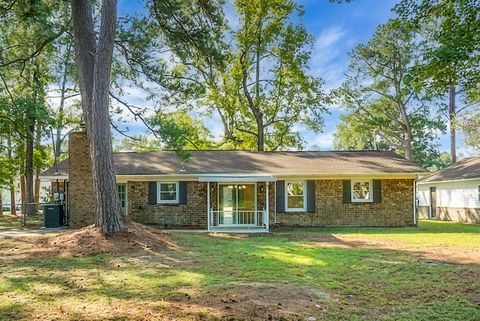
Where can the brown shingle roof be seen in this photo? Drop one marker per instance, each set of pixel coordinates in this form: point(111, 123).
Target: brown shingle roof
point(246, 162)
point(468, 168)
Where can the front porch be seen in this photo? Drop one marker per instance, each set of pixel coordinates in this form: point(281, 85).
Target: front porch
point(238, 221)
point(234, 205)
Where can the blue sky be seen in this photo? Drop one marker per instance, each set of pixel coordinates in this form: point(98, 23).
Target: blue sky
point(337, 29)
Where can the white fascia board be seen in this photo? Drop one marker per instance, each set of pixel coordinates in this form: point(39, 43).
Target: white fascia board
point(53, 178)
point(449, 181)
point(170, 177)
point(237, 179)
point(349, 176)
point(261, 176)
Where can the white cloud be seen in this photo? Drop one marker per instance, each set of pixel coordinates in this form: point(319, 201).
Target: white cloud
point(328, 59)
point(324, 140)
point(326, 47)
point(330, 36)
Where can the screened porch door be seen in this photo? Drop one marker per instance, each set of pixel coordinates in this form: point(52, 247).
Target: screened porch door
point(237, 204)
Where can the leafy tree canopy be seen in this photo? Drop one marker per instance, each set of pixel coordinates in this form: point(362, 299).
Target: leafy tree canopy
point(451, 29)
point(385, 110)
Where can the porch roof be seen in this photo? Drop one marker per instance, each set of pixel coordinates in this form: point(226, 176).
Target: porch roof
point(222, 178)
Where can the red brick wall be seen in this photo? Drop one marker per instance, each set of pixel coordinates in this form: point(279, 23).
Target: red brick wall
point(80, 188)
point(395, 209)
point(191, 215)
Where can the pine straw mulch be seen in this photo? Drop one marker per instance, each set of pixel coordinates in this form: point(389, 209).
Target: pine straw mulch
point(90, 241)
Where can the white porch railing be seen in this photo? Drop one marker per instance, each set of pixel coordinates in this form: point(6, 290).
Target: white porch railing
point(238, 219)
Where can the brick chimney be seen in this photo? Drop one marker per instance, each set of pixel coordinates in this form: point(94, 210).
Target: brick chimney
point(80, 187)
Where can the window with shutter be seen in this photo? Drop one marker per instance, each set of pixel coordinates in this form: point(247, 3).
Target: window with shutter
point(167, 192)
point(295, 196)
point(362, 191)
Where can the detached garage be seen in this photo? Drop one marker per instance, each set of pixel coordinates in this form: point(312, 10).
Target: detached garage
point(452, 194)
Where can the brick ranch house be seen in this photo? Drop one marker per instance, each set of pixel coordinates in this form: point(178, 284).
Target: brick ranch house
point(453, 193)
point(242, 191)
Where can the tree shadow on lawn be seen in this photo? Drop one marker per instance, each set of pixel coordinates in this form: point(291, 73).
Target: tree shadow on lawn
point(424, 227)
point(252, 278)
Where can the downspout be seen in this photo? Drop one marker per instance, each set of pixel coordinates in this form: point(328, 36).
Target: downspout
point(267, 201)
point(415, 202)
point(275, 204)
point(208, 206)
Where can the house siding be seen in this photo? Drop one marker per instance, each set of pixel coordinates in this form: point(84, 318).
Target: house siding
point(395, 208)
point(423, 212)
point(455, 201)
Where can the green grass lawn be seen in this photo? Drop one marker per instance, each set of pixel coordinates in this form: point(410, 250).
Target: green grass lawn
point(9, 222)
point(326, 274)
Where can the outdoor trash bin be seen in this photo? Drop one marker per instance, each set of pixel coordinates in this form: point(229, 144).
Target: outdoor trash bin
point(53, 215)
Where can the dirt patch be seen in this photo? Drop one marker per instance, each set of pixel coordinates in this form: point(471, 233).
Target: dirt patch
point(260, 301)
point(89, 241)
point(449, 254)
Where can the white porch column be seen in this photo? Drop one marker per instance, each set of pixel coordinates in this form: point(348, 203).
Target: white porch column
point(267, 205)
point(208, 206)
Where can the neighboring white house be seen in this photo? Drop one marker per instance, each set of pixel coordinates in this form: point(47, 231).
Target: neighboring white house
point(45, 194)
point(452, 193)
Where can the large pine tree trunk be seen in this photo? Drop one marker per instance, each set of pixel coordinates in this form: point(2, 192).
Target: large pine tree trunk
point(38, 137)
point(94, 66)
point(29, 193)
point(13, 209)
point(13, 205)
point(1, 201)
point(451, 119)
point(37, 190)
point(22, 192)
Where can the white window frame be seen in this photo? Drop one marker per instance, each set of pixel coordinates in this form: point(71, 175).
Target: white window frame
point(370, 191)
point(160, 201)
point(304, 208)
point(125, 194)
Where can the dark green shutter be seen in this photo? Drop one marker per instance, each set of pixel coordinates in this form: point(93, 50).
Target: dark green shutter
point(347, 191)
point(152, 193)
point(311, 196)
point(280, 196)
point(377, 191)
point(182, 193)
